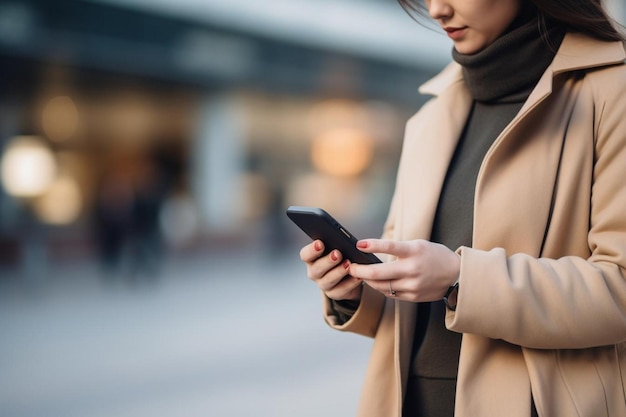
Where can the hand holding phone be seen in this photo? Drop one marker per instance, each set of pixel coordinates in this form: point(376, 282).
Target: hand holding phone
point(318, 224)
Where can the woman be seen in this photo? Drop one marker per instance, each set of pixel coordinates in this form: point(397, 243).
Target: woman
point(505, 290)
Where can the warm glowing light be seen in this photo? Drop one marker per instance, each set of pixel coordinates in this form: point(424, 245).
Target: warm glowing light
point(333, 114)
point(342, 152)
point(130, 118)
point(62, 202)
point(60, 118)
point(337, 195)
point(28, 167)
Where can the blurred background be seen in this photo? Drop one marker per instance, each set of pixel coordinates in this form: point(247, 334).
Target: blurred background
point(148, 151)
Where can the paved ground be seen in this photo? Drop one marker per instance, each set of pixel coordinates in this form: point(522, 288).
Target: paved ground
point(216, 335)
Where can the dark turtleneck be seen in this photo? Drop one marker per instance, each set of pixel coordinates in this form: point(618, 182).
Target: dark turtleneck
point(500, 79)
point(493, 75)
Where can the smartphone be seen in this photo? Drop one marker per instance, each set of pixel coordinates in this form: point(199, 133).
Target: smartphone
point(318, 224)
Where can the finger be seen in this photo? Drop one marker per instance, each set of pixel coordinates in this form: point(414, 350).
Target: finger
point(377, 272)
point(312, 251)
point(349, 288)
point(333, 276)
point(396, 248)
point(321, 267)
point(389, 288)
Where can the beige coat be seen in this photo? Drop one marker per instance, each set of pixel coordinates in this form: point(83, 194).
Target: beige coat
point(542, 299)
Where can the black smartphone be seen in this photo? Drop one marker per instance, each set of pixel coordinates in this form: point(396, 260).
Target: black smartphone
point(318, 224)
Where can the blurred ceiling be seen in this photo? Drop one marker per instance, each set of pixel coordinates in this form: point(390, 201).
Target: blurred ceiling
point(366, 48)
point(377, 29)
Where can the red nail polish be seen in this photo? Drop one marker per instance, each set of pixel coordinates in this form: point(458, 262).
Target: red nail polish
point(333, 256)
point(318, 245)
point(362, 245)
point(346, 264)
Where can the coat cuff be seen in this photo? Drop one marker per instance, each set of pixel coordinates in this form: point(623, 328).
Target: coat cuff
point(365, 319)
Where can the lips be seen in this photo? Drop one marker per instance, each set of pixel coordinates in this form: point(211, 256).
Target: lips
point(455, 32)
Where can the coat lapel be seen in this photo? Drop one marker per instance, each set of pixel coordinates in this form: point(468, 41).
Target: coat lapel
point(429, 147)
point(518, 176)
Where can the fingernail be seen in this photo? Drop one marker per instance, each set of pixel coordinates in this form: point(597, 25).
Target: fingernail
point(346, 264)
point(318, 245)
point(362, 244)
point(334, 256)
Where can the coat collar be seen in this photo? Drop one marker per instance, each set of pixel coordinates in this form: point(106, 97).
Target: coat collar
point(576, 52)
point(581, 52)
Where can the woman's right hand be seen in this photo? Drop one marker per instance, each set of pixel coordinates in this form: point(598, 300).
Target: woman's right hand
point(330, 272)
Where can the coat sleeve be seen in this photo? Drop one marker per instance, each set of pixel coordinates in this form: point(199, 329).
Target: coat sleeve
point(570, 302)
point(366, 318)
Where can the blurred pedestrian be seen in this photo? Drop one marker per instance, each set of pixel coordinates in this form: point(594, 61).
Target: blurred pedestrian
point(150, 189)
point(504, 293)
point(112, 220)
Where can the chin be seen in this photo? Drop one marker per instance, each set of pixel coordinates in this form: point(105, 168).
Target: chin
point(468, 49)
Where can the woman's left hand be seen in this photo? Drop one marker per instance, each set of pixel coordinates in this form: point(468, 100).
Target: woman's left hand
point(423, 271)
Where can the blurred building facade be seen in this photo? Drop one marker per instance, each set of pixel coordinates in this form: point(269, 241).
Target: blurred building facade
point(182, 124)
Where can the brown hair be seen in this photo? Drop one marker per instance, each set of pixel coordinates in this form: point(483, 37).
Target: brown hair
point(584, 16)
